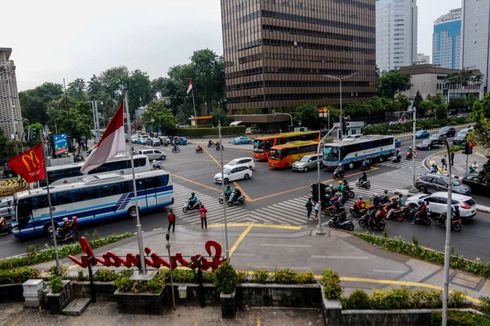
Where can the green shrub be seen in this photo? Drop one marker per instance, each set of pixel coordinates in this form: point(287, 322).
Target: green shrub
point(456, 299)
point(208, 277)
point(201, 132)
point(53, 270)
point(105, 275)
point(183, 276)
point(358, 299)
point(226, 278)
point(260, 276)
point(55, 284)
point(331, 284)
point(305, 278)
point(460, 318)
point(241, 277)
point(484, 305)
point(125, 284)
point(284, 276)
point(18, 275)
point(81, 276)
point(423, 299)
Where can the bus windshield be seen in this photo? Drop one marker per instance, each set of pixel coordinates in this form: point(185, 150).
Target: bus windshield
point(260, 145)
point(275, 154)
point(331, 153)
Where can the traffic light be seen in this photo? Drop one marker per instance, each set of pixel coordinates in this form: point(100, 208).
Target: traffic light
point(344, 125)
point(323, 192)
point(468, 148)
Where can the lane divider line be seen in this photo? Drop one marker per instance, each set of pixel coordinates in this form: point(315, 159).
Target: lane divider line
point(240, 239)
point(196, 183)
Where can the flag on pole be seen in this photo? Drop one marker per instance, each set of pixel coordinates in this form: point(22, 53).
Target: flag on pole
point(189, 86)
point(29, 164)
point(111, 143)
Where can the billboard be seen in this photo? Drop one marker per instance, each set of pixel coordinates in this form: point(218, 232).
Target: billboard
point(60, 144)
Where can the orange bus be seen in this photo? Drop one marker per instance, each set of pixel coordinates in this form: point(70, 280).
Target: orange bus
point(262, 145)
point(283, 156)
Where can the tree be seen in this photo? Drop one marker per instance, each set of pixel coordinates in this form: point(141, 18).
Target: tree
point(308, 115)
point(7, 148)
point(157, 116)
point(140, 91)
point(417, 100)
point(77, 90)
point(481, 117)
point(34, 102)
point(391, 83)
point(219, 115)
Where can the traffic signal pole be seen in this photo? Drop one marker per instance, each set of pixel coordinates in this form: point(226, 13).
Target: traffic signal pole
point(319, 230)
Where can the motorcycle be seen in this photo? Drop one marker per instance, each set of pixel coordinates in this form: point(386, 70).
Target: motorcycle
point(409, 155)
point(456, 223)
point(70, 236)
point(356, 212)
point(7, 228)
point(223, 198)
point(219, 147)
point(365, 166)
point(236, 202)
point(338, 173)
point(334, 223)
point(363, 184)
point(199, 150)
point(348, 193)
point(175, 149)
point(397, 159)
point(424, 220)
point(378, 225)
point(187, 207)
point(211, 143)
point(399, 214)
point(434, 169)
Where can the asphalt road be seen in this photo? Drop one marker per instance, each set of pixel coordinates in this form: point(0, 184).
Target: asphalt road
point(268, 187)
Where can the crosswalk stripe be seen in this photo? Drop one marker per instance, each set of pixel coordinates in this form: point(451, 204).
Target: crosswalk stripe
point(267, 214)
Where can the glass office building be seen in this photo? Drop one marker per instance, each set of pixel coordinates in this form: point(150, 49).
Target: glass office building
point(446, 42)
point(277, 52)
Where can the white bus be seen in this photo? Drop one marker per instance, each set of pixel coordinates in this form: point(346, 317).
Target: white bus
point(96, 198)
point(70, 173)
point(352, 152)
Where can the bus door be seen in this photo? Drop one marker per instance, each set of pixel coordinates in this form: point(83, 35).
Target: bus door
point(23, 215)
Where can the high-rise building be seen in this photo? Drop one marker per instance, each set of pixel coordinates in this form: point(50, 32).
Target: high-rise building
point(396, 33)
point(446, 40)
point(422, 59)
point(10, 114)
point(277, 53)
point(476, 37)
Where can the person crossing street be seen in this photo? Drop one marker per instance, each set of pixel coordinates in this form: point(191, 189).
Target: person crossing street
point(309, 208)
point(203, 213)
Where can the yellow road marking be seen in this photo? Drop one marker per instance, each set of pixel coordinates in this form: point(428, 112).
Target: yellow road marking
point(247, 196)
point(196, 183)
point(240, 239)
point(259, 322)
point(212, 157)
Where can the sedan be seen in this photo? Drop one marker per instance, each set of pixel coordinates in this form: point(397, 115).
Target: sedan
point(477, 187)
point(461, 136)
point(428, 144)
point(307, 162)
point(422, 134)
point(241, 140)
point(438, 182)
point(438, 203)
point(447, 131)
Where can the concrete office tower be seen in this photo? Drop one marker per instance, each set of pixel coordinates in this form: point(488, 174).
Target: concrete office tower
point(476, 37)
point(422, 59)
point(446, 40)
point(277, 52)
point(10, 115)
point(396, 34)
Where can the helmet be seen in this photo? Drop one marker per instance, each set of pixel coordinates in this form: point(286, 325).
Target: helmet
point(410, 147)
point(65, 219)
point(386, 192)
point(360, 197)
point(192, 194)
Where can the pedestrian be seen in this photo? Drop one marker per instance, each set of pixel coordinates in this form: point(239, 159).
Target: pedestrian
point(202, 212)
point(317, 209)
point(444, 162)
point(171, 220)
point(309, 208)
point(452, 159)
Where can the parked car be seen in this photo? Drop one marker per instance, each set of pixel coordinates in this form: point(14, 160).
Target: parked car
point(477, 187)
point(134, 139)
point(447, 131)
point(249, 161)
point(6, 207)
point(428, 144)
point(398, 143)
point(153, 154)
point(180, 140)
point(438, 203)
point(438, 182)
point(422, 134)
point(307, 162)
point(154, 141)
point(241, 140)
point(252, 131)
point(461, 136)
point(238, 172)
point(164, 140)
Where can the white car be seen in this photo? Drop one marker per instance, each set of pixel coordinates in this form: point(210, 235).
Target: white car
point(438, 203)
point(153, 154)
point(154, 141)
point(237, 172)
point(239, 161)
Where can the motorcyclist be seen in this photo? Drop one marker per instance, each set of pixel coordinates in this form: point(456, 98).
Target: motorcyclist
point(339, 213)
point(359, 204)
point(193, 200)
point(421, 213)
point(339, 170)
point(393, 206)
point(198, 148)
point(385, 198)
point(210, 143)
point(3, 222)
point(434, 168)
point(362, 179)
point(473, 168)
point(409, 153)
point(341, 187)
point(380, 215)
point(65, 228)
point(235, 195)
point(228, 191)
point(365, 163)
point(176, 148)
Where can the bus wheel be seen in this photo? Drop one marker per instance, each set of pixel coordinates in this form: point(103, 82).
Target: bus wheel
point(132, 211)
point(381, 159)
point(351, 166)
point(48, 229)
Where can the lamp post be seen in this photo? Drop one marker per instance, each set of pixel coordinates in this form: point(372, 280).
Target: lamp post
point(223, 189)
point(340, 79)
point(319, 230)
point(283, 113)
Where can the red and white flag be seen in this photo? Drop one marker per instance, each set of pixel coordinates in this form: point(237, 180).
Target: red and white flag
point(189, 87)
point(111, 143)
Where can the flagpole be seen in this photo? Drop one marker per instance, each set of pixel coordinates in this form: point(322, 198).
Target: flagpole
point(194, 102)
point(135, 192)
point(56, 256)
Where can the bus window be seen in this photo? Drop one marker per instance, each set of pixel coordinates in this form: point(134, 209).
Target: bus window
point(275, 154)
point(24, 212)
point(331, 153)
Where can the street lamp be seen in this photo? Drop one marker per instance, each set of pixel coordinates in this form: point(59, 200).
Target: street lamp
point(283, 113)
point(340, 79)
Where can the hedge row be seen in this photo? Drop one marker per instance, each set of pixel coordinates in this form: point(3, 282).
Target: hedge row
point(36, 256)
point(17, 275)
point(398, 245)
point(201, 132)
point(386, 129)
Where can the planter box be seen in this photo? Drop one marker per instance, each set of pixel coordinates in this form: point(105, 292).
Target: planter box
point(140, 303)
point(211, 295)
point(56, 302)
point(11, 293)
point(228, 305)
point(104, 290)
point(279, 295)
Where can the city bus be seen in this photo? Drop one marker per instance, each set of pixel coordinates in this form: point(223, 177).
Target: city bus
point(262, 145)
point(352, 152)
point(97, 198)
point(70, 173)
point(283, 156)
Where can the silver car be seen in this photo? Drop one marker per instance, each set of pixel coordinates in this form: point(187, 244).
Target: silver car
point(6, 207)
point(306, 163)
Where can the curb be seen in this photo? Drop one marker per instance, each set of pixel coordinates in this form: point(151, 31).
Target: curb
point(433, 129)
point(483, 209)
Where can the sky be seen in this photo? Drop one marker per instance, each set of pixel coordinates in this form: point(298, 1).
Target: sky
point(56, 39)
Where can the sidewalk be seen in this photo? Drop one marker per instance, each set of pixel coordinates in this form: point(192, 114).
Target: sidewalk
point(459, 166)
point(273, 247)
